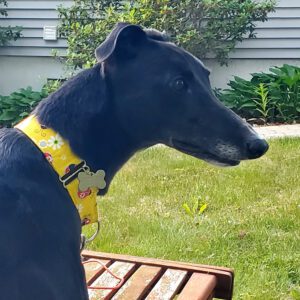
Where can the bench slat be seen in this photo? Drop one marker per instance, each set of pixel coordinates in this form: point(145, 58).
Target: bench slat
point(138, 284)
point(199, 287)
point(121, 269)
point(93, 268)
point(168, 285)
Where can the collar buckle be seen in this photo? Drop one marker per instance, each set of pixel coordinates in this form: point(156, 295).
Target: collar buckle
point(73, 174)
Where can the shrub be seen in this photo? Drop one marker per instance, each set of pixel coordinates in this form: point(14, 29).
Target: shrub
point(16, 106)
point(204, 27)
point(272, 97)
point(52, 85)
point(7, 33)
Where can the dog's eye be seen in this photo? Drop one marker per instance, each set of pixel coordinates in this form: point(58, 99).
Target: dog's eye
point(179, 84)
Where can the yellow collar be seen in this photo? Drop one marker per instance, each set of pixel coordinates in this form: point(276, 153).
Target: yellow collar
point(73, 172)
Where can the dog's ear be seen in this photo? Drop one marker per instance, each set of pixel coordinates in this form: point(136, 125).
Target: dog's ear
point(122, 42)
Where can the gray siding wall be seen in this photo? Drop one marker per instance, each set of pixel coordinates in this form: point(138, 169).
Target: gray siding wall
point(32, 16)
point(28, 61)
point(276, 39)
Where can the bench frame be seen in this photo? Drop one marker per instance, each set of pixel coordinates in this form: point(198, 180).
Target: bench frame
point(223, 278)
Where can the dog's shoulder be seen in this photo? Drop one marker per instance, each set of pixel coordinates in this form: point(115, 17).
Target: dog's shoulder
point(29, 186)
point(14, 146)
point(20, 159)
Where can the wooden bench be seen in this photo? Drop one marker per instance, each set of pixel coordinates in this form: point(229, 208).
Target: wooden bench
point(155, 279)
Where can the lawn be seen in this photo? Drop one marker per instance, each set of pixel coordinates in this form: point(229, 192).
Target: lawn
point(251, 224)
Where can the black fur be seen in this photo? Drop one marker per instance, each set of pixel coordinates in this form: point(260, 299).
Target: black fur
point(143, 91)
point(82, 113)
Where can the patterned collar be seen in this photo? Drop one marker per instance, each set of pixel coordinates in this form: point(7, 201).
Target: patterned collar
point(73, 172)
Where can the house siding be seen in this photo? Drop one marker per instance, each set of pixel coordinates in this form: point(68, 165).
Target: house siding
point(277, 42)
point(277, 38)
point(33, 16)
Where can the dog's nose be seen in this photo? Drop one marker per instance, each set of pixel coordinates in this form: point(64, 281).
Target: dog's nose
point(256, 148)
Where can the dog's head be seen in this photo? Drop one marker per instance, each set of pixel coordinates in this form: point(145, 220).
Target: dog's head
point(162, 94)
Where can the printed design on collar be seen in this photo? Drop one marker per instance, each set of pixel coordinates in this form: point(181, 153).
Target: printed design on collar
point(59, 154)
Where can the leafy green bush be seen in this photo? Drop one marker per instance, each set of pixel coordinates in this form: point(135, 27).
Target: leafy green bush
point(272, 97)
point(18, 105)
point(204, 27)
point(7, 33)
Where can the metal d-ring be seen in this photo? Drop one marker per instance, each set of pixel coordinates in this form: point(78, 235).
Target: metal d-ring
point(85, 240)
point(90, 239)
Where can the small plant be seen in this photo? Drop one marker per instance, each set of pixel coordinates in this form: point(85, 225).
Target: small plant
point(240, 97)
point(272, 96)
point(195, 211)
point(262, 102)
point(18, 105)
point(295, 294)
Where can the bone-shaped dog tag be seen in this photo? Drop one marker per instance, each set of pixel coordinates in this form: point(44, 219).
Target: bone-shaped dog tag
point(88, 180)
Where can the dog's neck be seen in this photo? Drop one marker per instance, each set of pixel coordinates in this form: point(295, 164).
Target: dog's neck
point(81, 112)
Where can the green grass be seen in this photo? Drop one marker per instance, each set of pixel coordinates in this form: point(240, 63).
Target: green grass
point(252, 223)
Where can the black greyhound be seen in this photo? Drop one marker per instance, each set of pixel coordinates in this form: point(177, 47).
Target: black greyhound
point(143, 91)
